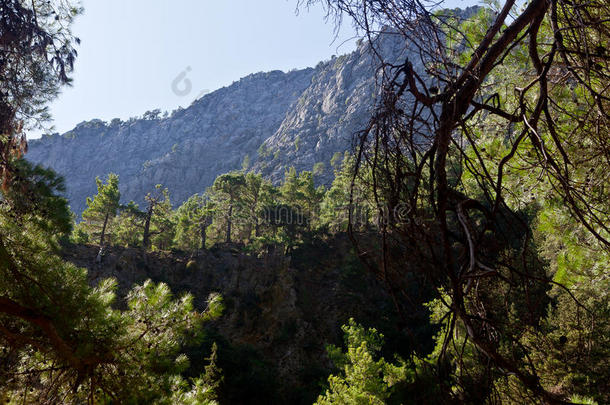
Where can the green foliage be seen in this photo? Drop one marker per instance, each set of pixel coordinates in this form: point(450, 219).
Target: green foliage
point(245, 164)
point(318, 168)
point(335, 207)
point(227, 188)
point(299, 192)
point(561, 333)
point(64, 341)
point(37, 59)
point(127, 230)
point(61, 339)
point(80, 236)
point(257, 193)
point(202, 390)
point(336, 160)
point(264, 151)
point(364, 378)
point(102, 208)
point(128, 225)
point(35, 193)
point(159, 221)
point(240, 207)
point(290, 188)
point(192, 220)
point(571, 344)
point(287, 224)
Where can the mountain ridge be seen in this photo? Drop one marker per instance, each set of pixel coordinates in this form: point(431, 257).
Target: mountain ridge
point(140, 150)
point(271, 121)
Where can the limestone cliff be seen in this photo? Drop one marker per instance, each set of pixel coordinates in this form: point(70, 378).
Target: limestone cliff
point(273, 120)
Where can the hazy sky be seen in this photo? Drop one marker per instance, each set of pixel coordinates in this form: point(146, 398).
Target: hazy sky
point(133, 50)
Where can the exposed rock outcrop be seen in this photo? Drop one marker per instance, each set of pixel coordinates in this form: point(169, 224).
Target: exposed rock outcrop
point(273, 120)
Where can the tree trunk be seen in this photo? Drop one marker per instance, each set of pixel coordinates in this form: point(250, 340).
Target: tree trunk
point(203, 228)
point(228, 240)
point(146, 237)
point(255, 218)
point(104, 229)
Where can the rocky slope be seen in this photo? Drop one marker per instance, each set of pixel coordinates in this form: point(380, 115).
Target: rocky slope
point(185, 151)
point(336, 105)
point(280, 312)
point(273, 120)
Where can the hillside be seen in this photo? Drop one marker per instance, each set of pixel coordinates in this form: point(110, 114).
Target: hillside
point(281, 311)
point(185, 151)
point(188, 149)
point(268, 121)
point(273, 120)
point(458, 255)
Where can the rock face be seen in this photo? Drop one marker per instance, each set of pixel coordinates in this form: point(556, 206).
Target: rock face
point(337, 104)
point(185, 151)
point(273, 120)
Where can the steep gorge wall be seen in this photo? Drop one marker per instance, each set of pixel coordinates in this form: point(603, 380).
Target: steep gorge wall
point(185, 151)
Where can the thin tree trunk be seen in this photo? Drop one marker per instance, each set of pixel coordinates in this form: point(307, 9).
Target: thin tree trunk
point(253, 224)
point(203, 228)
point(104, 229)
point(229, 222)
point(146, 237)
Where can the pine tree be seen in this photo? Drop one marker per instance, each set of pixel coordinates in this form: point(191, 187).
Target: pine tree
point(312, 197)
point(192, 221)
point(342, 197)
point(291, 187)
point(128, 225)
point(229, 187)
point(103, 207)
point(512, 115)
point(365, 378)
point(61, 340)
point(158, 219)
point(37, 56)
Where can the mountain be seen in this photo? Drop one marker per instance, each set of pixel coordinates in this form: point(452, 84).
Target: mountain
point(269, 120)
point(273, 120)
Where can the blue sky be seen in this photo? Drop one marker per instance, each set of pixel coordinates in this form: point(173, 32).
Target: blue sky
point(133, 50)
